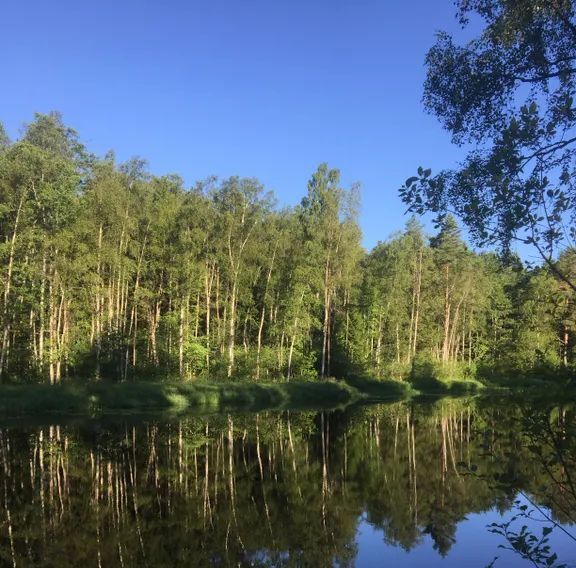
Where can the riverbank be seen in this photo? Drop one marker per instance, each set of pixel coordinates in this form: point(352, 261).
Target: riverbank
point(100, 398)
point(108, 398)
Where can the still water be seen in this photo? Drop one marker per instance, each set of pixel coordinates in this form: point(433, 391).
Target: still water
point(406, 484)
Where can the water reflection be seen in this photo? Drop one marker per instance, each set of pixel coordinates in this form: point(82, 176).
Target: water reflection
point(278, 489)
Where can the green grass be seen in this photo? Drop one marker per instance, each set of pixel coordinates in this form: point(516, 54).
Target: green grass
point(372, 390)
point(552, 387)
point(102, 398)
point(446, 387)
point(107, 398)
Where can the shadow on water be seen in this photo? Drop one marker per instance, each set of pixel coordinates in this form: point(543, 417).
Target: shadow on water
point(283, 488)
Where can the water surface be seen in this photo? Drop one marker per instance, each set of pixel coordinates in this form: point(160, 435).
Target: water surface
point(405, 484)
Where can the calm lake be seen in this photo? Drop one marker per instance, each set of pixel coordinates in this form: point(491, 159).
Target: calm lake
point(404, 484)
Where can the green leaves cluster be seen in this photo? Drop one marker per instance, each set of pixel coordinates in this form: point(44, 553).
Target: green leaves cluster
point(509, 94)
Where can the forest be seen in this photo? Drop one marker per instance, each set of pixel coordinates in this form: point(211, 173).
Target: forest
point(111, 272)
point(196, 373)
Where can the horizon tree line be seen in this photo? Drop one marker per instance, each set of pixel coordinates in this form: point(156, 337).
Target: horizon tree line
point(110, 271)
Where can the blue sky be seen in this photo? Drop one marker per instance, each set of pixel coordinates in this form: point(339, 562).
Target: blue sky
point(238, 87)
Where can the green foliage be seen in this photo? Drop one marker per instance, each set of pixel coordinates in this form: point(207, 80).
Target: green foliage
point(4, 140)
point(443, 311)
point(434, 377)
point(195, 355)
point(112, 273)
point(509, 93)
point(101, 398)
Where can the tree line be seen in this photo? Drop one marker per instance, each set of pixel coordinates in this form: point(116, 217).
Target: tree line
point(110, 271)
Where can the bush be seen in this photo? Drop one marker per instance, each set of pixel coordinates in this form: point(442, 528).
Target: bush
point(429, 375)
point(396, 371)
point(195, 357)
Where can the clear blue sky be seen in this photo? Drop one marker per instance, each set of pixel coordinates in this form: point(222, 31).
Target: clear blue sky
point(238, 87)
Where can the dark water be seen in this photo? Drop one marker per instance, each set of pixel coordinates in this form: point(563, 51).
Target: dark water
point(391, 485)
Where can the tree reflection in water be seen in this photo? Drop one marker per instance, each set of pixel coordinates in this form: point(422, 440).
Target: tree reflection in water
point(275, 488)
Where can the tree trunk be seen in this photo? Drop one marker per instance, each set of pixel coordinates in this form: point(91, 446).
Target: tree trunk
point(7, 287)
point(417, 307)
point(263, 313)
point(181, 341)
point(326, 323)
point(447, 309)
point(133, 329)
point(98, 305)
point(208, 280)
point(231, 328)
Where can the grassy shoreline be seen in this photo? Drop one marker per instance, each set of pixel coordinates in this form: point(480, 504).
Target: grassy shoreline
point(106, 398)
point(101, 398)
point(118, 398)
